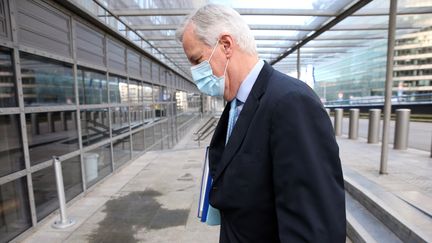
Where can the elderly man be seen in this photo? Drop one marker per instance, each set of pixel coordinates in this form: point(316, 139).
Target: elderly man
point(273, 157)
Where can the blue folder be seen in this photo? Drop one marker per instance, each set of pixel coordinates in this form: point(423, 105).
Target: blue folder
point(206, 212)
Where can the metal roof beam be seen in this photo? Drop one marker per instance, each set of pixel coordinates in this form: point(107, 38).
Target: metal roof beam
point(267, 12)
point(275, 27)
point(348, 12)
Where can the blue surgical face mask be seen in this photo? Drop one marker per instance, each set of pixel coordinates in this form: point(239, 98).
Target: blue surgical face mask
point(205, 80)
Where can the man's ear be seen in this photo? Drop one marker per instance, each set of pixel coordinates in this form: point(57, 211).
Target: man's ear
point(227, 44)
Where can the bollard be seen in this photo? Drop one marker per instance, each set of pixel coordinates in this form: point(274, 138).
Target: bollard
point(338, 121)
point(402, 129)
point(353, 124)
point(64, 222)
point(374, 125)
point(328, 111)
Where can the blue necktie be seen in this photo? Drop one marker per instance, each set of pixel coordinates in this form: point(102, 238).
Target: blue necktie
point(233, 114)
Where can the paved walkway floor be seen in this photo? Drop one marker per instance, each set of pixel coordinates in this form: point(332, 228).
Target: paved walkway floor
point(154, 198)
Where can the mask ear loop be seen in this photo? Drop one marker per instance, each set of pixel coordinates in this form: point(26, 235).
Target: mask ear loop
point(213, 51)
point(226, 65)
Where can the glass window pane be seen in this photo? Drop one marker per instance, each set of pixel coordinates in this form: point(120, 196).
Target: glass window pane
point(45, 189)
point(157, 93)
point(135, 91)
point(148, 113)
point(14, 209)
point(11, 150)
point(46, 82)
point(94, 126)
point(121, 151)
point(97, 164)
point(120, 120)
point(118, 89)
point(138, 142)
point(149, 137)
point(51, 134)
point(7, 80)
point(93, 87)
point(136, 114)
point(147, 93)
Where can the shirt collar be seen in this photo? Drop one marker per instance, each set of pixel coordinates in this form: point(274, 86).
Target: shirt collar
point(249, 81)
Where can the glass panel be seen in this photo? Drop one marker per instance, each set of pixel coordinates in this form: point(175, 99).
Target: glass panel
point(45, 189)
point(94, 126)
point(149, 137)
point(122, 153)
point(157, 93)
point(7, 80)
point(120, 120)
point(135, 91)
point(93, 87)
point(138, 142)
point(136, 114)
point(11, 150)
point(14, 209)
point(46, 82)
point(147, 92)
point(118, 89)
point(148, 113)
point(97, 164)
point(51, 134)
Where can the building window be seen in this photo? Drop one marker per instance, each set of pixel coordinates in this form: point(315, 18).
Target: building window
point(135, 91)
point(45, 189)
point(7, 80)
point(120, 120)
point(14, 209)
point(121, 151)
point(118, 89)
point(94, 126)
point(11, 149)
point(97, 164)
point(51, 134)
point(46, 82)
point(93, 87)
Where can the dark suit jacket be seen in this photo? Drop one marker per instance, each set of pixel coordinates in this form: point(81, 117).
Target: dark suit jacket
point(279, 177)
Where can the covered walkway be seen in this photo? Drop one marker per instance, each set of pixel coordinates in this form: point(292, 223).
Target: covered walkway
point(154, 198)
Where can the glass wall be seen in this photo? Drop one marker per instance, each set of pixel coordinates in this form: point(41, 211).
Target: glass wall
point(14, 209)
point(51, 134)
point(93, 87)
point(121, 151)
point(45, 188)
point(118, 89)
point(7, 80)
point(11, 149)
point(94, 126)
point(46, 82)
point(97, 164)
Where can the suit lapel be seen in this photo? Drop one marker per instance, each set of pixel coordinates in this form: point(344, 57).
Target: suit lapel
point(240, 128)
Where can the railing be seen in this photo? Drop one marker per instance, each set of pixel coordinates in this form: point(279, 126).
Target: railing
point(379, 100)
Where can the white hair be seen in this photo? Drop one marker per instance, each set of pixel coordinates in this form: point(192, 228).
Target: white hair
point(211, 20)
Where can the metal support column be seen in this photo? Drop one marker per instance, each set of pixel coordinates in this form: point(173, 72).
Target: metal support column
point(388, 85)
point(298, 63)
point(338, 117)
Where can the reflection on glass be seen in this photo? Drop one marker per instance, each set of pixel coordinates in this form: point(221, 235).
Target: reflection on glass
point(46, 82)
point(51, 134)
point(138, 141)
point(45, 190)
point(147, 92)
point(14, 209)
point(157, 93)
point(121, 151)
point(148, 113)
point(7, 80)
point(118, 89)
point(136, 116)
point(94, 126)
point(181, 101)
point(11, 150)
point(149, 137)
point(160, 110)
point(93, 87)
point(97, 164)
point(119, 120)
point(135, 91)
